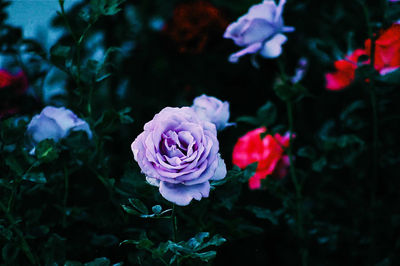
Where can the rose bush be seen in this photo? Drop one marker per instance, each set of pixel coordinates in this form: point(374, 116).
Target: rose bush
point(268, 152)
point(179, 153)
point(55, 123)
point(260, 31)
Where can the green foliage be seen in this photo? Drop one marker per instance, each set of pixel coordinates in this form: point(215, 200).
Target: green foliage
point(105, 7)
point(47, 150)
point(266, 116)
point(272, 216)
point(288, 92)
point(138, 208)
point(169, 252)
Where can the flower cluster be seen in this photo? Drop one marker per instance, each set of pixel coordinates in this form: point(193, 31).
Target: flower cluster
point(259, 31)
point(178, 151)
point(268, 152)
point(386, 59)
point(193, 24)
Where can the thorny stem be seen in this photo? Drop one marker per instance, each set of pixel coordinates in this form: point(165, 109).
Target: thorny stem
point(66, 186)
point(15, 186)
point(78, 44)
point(174, 227)
point(372, 96)
point(297, 185)
point(373, 101)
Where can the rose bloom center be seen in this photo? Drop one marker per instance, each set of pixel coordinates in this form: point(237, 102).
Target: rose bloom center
point(178, 147)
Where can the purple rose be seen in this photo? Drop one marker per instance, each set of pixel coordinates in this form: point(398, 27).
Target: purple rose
point(260, 31)
point(179, 153)
point(211, 109)
point(55, 123)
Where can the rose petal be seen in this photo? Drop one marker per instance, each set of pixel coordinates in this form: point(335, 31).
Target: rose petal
point(220, 172)
point(258, 31)
point(251, 49)
point(42, 127)
point(254, 183)
point(273, 47)
point(182, 195)
point(266, 10)
point(153, 181)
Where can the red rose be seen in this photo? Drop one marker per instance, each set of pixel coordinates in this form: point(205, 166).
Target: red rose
point(11, 88)
point(387, 49)
point(18, 84)
point(193, 25)
point(345, 71)
point(268, 152)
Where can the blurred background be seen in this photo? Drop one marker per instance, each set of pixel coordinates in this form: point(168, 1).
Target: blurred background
point(141, 56)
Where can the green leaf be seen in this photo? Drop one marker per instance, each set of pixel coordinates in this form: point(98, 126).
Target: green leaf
point(108, 122)
point(205, 256)
point(35, 178)
point(160, 250)
point(267, 114)
point(197, 240)
point(130, 210)
point(248, 119)
point(14, 165)
point(99, 262)
point(54, 250)
point(307, 152)
point(349, 116)
point(124, 117)
point(10, 252)
point(85, 15)
point(319, 164)
point(77, 140)
point(283, 91)
point(288, 91)
point(249, 172)
point(12, 130)
point(139, 205)
point(264, 214)
point(72, 263)
point(216, 240)
point(59, 54)
point(349, 140)
point(46, 150)
point(105, 7)
point(179, 248)
point(142, 243)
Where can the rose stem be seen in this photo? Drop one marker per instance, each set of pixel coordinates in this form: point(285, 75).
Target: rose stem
point(66, 186)
point(299, 209)
point(24, 243)
point(374, 174)
point(373, 183)
point(174, 227)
